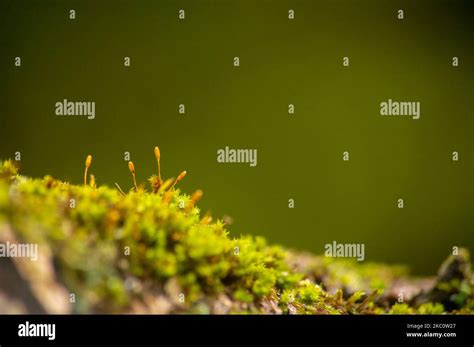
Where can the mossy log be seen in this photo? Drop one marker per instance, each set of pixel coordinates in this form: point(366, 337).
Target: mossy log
point(101, 250)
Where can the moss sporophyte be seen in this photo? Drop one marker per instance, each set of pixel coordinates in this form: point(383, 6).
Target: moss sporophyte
point(102, 250)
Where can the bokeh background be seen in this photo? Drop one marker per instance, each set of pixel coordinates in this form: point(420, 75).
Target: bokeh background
point(282, 62)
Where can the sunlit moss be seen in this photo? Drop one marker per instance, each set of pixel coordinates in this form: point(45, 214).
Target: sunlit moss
point(401, 309)
point(153, 250)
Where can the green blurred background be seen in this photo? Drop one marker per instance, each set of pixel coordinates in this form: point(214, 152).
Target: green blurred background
point(282, 62)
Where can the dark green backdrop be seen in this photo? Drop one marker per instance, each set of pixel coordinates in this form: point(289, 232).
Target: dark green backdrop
point(282, 62)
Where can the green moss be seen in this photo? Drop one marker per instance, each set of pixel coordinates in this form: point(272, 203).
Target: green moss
point(107, 244)
point(243, 295)
point(427, 308)
point(431, 308)
point(401, 309)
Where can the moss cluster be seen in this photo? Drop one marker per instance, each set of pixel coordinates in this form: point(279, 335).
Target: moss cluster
point(152, 251)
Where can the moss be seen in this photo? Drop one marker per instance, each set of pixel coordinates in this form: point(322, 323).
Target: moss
point(153, 251)
point(427, 308)
point(431, 308)
point(401, 309)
